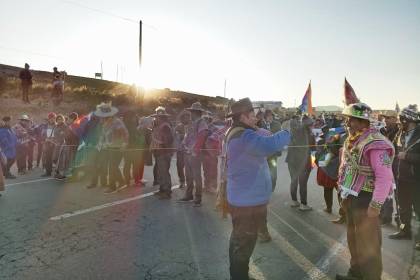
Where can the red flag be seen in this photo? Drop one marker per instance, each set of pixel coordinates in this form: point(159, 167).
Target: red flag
point(349, 94)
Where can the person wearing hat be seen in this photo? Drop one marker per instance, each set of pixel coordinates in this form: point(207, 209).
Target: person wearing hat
point(390, 131)
point(408, 171)
point(8, 142)
point(162, 148)
point(134, 156)
point(210, 154)
point(272, 125)
point(47, 134)
point(21, 129)
point(60, 158)
point(299, 160)
point(365, 181)
point(249, 186)
point(180, 130)
point(25, 77)
point(113, 139)
point(194, 141)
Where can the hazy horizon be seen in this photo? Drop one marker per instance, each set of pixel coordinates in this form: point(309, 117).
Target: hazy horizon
point(265, 51)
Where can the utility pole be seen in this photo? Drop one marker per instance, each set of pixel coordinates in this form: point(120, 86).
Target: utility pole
point(224, 90)
point(140, 93)
point(117, 74)
point(140, 43)
point(102, 71)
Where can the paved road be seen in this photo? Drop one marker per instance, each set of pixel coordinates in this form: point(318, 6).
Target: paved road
point(58, 230)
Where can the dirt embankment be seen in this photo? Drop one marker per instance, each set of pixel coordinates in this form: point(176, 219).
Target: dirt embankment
point(82, 94)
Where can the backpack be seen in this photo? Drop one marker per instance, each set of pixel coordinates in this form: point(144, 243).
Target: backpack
point(221, 197)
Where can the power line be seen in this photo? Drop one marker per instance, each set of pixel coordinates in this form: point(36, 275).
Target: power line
point(80, 5)
point(30, 52)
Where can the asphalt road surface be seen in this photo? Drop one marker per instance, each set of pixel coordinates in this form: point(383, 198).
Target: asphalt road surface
point(52, 229)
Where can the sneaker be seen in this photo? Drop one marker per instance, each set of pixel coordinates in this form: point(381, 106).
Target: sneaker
point(90, 186)
point(110, 190)
point(181, 185)
point(401, 235)
point(294, 204)
point(304, 207)
point(158, 193)
point(340, 220)
point(417, 247)
point(185, 199)
point(10, 176)
point(46, 175)
point(60, 177)
point(21, 172)
point(327, 210)
point(138, 185)
point(212, 190)
point(164, 196)
point(120, 188)
point(197, 203)
point(264, 237)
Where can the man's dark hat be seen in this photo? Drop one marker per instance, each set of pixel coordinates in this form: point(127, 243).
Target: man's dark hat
point(241, 106)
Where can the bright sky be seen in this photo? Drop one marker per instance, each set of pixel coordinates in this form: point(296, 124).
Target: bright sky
point(266, 50)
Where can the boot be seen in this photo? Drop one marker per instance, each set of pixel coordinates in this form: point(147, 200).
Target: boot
point(403, 233)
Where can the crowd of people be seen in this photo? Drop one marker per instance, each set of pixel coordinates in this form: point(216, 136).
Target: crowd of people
point(236, 157)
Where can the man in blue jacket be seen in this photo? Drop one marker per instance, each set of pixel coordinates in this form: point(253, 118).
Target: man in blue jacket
point(8, 143)
point(249, 185)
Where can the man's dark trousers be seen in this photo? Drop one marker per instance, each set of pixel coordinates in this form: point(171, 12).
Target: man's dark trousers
point(193, 176)
point(245, 221)
point(163, 163)
point(408, 196)
point(180, 166)
point(364, 238)
point(21, 155)
point(6, 168)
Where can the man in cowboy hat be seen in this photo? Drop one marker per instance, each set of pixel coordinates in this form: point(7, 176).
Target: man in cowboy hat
point(210, 153)
point(180, 130)
point(408, 172)
point(162, 148)
point(249, 184)
point(365, 181)
point(194, 141)
point(48, 147)
point(21, 130)
point(113, 139)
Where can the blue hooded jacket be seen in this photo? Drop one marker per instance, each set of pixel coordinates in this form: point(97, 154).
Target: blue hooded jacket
point(8, 141)
point(248, 175)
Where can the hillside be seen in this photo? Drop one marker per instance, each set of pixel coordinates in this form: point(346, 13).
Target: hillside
point(82, 94)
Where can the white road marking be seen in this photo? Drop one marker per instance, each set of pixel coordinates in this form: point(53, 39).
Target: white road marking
point(100, 207)
point(337, 248)
point(289, 225)
point(31, 181)
point(297, 257)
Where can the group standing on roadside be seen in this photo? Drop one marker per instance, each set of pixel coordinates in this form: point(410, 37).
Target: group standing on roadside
point(370, 168)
